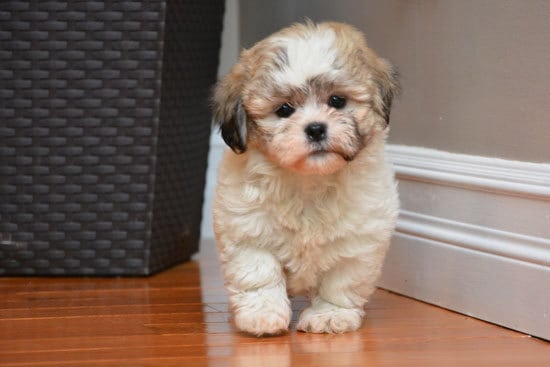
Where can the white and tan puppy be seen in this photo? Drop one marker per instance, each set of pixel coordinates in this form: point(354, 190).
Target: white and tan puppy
point(306, 201)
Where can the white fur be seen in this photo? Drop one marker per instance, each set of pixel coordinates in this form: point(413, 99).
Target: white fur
point(307, 57)
point(292, 216)
point(323, 236)
point(323, 316)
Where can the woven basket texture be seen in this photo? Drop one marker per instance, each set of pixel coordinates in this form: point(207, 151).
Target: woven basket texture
point(104, 129)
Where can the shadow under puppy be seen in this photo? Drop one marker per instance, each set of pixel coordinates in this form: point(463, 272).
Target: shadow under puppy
point(305, 202)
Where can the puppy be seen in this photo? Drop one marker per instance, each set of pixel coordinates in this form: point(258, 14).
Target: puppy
point(306, 201)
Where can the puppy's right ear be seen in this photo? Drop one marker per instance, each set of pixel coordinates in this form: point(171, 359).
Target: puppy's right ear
point(233, 129)
point(228, 111)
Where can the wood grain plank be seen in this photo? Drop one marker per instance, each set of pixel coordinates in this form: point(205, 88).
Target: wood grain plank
point(181, 317)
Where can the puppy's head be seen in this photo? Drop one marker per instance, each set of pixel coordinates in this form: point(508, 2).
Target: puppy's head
point(309, 97)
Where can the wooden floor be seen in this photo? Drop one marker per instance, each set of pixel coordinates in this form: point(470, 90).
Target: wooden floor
point(180, 318)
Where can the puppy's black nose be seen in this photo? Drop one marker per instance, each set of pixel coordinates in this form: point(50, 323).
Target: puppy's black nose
point(316, 131)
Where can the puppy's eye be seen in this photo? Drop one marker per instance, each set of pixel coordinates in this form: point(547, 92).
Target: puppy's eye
point(337, 102)
point(285, 110)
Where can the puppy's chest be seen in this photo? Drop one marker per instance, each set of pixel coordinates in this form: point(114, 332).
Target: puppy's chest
point(313, 237)
point(308, 248)
point(308, 227)
point(308, 221)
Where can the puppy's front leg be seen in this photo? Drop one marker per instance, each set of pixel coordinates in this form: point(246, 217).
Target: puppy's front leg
point(338, 305)
point(257, 292)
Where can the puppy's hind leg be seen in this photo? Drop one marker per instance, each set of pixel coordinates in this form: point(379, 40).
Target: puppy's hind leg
point(257, 292)
point(338, 306)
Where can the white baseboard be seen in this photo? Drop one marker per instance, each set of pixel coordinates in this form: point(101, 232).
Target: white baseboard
point(513, 246)
point(217, 147)
point(524, 179)
point(473, 236)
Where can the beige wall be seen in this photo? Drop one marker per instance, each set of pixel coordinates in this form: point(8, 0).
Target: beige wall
point(230, 45)
point(475, 73)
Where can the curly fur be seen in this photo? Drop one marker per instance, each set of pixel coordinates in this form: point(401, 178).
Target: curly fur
point(292, 216)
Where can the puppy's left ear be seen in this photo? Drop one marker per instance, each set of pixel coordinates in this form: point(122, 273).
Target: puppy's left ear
point(228, 111)
point(388, 86)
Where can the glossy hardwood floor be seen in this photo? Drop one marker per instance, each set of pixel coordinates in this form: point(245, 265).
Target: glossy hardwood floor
point(180, 318)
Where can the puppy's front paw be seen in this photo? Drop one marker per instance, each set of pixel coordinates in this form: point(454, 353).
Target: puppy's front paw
point(324, 317)
point(263, 313)
point(262, 322)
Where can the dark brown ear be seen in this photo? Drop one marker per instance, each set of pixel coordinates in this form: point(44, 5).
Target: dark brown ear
point(228, 111)
point(388, 86)
point(233, 129)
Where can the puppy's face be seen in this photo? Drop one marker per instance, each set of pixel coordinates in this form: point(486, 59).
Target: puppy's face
point(309, 97)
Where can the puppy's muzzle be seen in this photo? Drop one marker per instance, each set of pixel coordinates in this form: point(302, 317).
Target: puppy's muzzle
point(316, 132)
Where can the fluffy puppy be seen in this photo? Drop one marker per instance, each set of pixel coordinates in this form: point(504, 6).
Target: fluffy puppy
point(305, 201)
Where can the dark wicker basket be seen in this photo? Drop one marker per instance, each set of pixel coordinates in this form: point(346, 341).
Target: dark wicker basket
point(104, 128)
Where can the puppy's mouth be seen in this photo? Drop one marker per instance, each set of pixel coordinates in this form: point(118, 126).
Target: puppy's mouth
point(322, 153)
point(322, 159)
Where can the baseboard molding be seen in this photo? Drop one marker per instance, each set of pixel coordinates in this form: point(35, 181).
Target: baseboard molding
point(513, 246)
point(525, 179)
point(487, 266)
